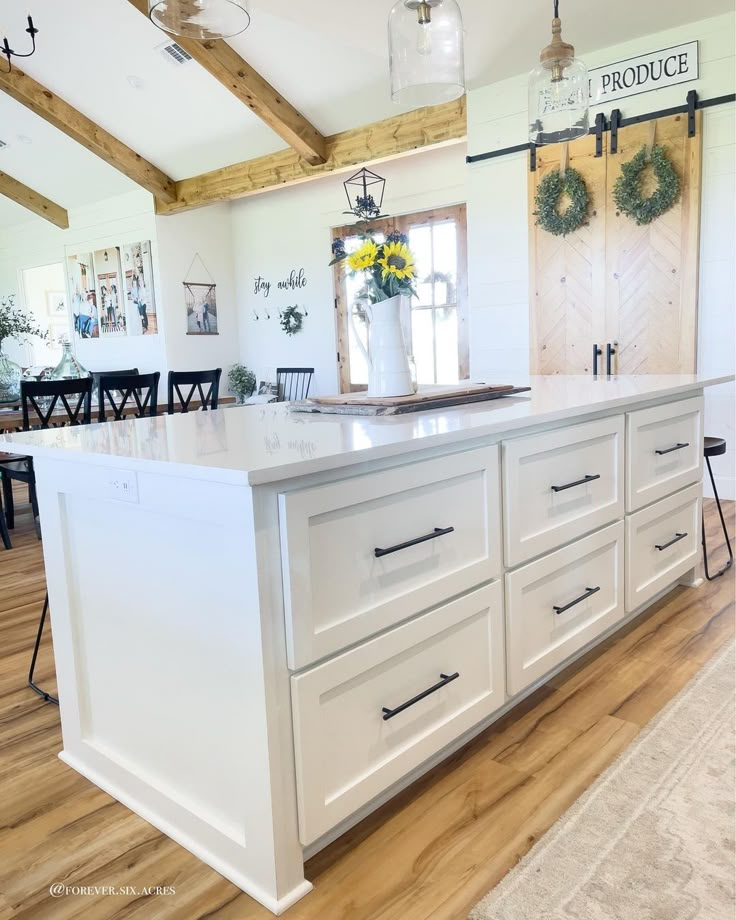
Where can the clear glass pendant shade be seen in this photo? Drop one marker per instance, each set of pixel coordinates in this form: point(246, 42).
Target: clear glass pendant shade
point(558, 101)
point(203, 20)
point(426, 52)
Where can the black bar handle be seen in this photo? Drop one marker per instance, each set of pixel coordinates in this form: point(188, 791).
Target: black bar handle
point(588, 593)
point(597, 352)
point(437, 532)
point(676, 539)
point(578, 482)
point(610, 352)
point(445, 680)
point(668, 450)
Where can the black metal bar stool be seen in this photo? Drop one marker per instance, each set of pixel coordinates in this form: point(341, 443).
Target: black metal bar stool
point(715, 447)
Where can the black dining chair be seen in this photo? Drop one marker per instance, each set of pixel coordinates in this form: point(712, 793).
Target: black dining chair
point(4, 531)
point(134, 394)
point(97, 374)
point(196, 381)
point(715, 447)
point(42, 405)
point(293, 382)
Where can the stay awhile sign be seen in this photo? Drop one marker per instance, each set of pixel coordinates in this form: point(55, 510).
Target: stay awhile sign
point(644, 73)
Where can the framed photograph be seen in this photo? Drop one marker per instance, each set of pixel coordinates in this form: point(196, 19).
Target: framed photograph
point(266, 388)
point(83, 294)
point(110, 297)
point(140, 297)
point(201, 307)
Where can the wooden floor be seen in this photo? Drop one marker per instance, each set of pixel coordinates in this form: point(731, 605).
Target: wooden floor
point(431, 853)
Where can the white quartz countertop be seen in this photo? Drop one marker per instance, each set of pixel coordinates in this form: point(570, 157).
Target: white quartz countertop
point(262, 444)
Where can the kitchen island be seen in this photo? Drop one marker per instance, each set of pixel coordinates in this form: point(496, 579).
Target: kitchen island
point(265, 624)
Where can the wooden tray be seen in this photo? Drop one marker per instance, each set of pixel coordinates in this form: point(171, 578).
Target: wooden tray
point(430, 397)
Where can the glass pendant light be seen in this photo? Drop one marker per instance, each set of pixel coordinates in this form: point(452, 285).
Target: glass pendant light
point(203, 20)
point(425, 40)
point(558, 92)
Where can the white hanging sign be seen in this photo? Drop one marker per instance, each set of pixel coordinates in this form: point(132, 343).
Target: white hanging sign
point(644, 73)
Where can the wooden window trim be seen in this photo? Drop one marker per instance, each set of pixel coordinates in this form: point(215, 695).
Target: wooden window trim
point(403, 222)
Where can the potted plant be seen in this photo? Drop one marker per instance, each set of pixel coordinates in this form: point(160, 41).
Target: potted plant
point(242, 382)
point(14, 324)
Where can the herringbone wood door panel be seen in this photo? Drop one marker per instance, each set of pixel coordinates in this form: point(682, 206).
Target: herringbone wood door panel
point(567, 273)
point(652, 271)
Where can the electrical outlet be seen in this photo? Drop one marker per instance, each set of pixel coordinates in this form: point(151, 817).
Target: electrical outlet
point(123, 486)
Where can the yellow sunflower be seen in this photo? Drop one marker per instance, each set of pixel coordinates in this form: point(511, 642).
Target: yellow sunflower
point(397, 260)
point(364, 257)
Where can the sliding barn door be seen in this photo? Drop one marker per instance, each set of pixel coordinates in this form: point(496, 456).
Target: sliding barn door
point(567, 272)
point(652, 271)
point(613, 281)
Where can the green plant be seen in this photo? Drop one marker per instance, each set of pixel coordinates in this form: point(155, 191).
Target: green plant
point(242, 381)
point(627, 190)
point(15, 324)
point(547, 199)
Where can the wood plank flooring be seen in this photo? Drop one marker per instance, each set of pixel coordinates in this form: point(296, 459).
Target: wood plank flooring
point(430, 853)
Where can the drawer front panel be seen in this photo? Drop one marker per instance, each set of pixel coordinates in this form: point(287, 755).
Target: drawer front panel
point(366, 553)
point(560, 485)
point(662, 543)
point(664, 450)
point(560, 603)
point(347, 752)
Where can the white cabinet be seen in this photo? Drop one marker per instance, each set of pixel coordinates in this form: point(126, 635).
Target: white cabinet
point(662, 543)
point(561, 602)
point(368, 552)
point(664, 450)
point(561, 484)
point(365, 718)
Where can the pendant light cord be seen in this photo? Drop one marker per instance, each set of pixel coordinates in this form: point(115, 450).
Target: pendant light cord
point(557, 9)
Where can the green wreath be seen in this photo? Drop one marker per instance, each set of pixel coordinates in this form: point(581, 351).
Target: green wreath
point(627, 190)
point(291, 320)
point(547, 199)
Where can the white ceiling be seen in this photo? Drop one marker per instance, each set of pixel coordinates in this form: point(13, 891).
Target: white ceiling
point(327, 57)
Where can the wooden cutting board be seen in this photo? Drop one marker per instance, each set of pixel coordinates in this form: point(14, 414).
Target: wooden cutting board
point(428, 397)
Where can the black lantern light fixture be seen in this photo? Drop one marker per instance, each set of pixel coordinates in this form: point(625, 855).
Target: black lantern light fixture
point(10, 53)
point(364, 192)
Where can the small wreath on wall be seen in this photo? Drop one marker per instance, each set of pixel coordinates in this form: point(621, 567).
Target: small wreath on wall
point(550, 190)
point(627, 190)
point(291, 320)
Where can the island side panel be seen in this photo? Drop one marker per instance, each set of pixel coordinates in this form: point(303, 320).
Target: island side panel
point(156, 617)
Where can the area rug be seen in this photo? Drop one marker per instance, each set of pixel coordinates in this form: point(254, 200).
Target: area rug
point(653, 837)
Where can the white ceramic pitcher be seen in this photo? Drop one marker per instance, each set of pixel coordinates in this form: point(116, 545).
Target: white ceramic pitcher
point(388, 366)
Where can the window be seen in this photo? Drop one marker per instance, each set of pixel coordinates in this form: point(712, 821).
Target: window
point(44, 296)
point(435, 322)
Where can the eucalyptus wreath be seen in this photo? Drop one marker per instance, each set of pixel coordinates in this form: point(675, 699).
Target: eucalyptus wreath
point(291, 320)
point(547, 199)
point(627, 190)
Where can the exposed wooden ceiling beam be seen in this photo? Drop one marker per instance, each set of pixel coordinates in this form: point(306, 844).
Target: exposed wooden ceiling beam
point(61, 115)
point(235, 74)
point(422, 129)
point(28, 198)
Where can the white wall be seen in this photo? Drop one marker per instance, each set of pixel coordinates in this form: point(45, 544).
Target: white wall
point(290, 229)
point(498, 230)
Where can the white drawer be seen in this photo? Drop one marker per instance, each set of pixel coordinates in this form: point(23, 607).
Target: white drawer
point(664, 450)
point(662, 543)
point(560, 603)
point(340, 587)
point(560, 485)
point(347, 751)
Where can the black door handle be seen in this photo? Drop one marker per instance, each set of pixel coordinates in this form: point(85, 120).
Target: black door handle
point(676, 539)
point(588, 593)
point(668, 450)
point(610, 352)
point(437, 532)
point(446, 679)
point(597, 352)
point(578, 482)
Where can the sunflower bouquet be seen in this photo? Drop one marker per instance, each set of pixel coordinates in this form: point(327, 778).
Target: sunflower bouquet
point(387, 267)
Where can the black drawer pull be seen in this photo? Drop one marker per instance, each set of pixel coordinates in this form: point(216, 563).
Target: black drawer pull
point(446, 679)
point(668, 450)
point(578, 482)
point(588, 593)
point(437, 532)
point(676, 539)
